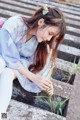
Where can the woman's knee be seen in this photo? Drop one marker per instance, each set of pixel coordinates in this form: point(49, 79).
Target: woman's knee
point(9, 73)
point(2, 64)
point(14, 72)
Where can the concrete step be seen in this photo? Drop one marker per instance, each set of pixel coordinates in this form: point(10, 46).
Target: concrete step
point(60, 63)
point(24, 6)
point(21, 111)
point(73, 38)
point(42, 4)
point(17, 3)
point(70, 50)
point(73, 112)
point(10, 7)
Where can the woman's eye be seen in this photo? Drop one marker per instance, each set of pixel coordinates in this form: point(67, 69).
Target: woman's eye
point(49, 33)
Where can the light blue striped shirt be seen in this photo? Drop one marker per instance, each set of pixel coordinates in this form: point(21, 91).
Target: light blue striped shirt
point(17, 52)
point(14, 46)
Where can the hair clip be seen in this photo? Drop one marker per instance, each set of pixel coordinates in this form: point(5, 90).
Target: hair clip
point(45, 9)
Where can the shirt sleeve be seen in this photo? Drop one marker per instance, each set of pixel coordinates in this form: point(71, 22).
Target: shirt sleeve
point(16, 27)
point(9, 50)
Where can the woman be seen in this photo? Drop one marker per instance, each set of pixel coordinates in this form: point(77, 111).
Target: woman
point(24, 54)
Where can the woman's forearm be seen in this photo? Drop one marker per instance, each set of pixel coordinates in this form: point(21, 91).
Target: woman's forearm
point(27, 73)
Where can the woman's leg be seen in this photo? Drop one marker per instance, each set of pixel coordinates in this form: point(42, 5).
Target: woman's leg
point(6, 84)
point(2, 64)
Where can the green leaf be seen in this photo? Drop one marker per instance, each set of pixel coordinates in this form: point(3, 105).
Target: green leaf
point(60, 110)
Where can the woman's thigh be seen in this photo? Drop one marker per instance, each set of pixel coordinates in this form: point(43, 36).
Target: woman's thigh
point(14, 71)
point(2, 64)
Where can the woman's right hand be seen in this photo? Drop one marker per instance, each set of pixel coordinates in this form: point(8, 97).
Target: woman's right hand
point(43, 83)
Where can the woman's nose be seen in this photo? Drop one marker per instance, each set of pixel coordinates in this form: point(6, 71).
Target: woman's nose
point(49, 38)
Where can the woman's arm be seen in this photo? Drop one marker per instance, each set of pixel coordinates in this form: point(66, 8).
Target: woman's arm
point(24, 71)
point(43, 83)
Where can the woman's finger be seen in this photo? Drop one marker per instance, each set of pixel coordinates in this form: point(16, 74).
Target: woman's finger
point(50, 92)
point(49, 81)
point(45, 86)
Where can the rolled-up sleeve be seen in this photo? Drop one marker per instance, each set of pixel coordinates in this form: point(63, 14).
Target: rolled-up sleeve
point(9, 50)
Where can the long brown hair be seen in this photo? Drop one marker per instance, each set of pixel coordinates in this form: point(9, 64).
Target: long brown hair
point(53, 18)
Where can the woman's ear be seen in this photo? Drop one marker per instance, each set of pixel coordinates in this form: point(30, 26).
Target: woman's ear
point(41, 22)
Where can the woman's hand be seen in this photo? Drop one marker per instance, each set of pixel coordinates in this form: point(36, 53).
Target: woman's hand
point(50, 92)
point(43, 83)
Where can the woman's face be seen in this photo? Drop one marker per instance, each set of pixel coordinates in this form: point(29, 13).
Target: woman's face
point(45, 34)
